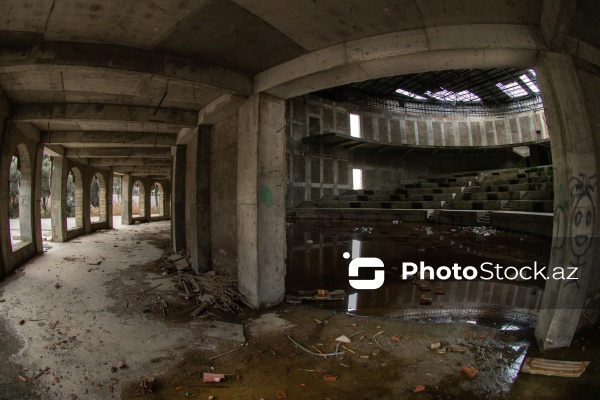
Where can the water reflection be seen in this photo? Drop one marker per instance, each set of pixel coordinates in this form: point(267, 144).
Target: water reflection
point(316, 261)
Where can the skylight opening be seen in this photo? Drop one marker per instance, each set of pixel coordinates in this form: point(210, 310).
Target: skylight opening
point(530, 84)
point(448, 95)
point(512, 89)
point(410, 94)
point(532, 72)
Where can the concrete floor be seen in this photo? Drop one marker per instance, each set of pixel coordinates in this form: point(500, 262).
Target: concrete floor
point(79, 320)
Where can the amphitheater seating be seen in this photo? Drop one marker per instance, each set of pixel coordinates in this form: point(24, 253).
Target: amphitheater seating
point(524, 189)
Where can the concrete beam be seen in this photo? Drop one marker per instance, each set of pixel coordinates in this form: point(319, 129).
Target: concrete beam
point(417, 50)
point(112, 162)
point(43, 113)
point(54, 150)
point(108, 139)
point(104, 152)
point(222, 107)
point(82, 58)
point(143, 168)
point(186, 135)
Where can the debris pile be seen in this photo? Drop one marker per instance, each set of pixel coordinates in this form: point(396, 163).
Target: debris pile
point(211, 290)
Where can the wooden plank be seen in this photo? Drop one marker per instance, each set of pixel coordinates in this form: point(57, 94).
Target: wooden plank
point(542, 366)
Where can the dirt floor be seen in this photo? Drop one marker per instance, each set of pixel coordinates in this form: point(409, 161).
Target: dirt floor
point(85, 321)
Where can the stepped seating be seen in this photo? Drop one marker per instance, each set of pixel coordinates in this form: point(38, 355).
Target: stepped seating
point(524, 189)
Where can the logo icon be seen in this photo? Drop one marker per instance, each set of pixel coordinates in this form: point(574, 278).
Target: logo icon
point(365, 262)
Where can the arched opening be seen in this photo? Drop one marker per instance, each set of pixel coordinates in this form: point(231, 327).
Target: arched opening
point(19, 201)
point(116, 199)
point(46, 197)
point(98, 199)
point(138, 200)
point(157, 200)
point(74, 199)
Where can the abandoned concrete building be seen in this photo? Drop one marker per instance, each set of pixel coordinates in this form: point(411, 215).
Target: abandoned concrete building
point(235, 123)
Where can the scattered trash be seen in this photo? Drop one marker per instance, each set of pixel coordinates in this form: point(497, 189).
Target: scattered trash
point(22, 378)
point(425, 301)
point(395, 338)
point(343, 339)
point(97, 262)
point(419, 389)
point(470, 371)
point(319, 295)
point(21, 322)
point(212, 378)
point(329, 378)
point(435, 346)
point(542, 366)
point(337, 353)
point(178, 388)
point(281, 394)
point(57, 285)
point(458, 349)
point(147, 385)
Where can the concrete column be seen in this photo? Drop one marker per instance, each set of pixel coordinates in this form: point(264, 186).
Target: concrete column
point(576, 202)
point(167, 200)
point(37, 196)
point(126, 189)
point(178, 198)
point(86, 198)
point(197, 202)
point(110, 177)
point(147, 204)
point(261, 200)
point(58, 187)
point(4, 115)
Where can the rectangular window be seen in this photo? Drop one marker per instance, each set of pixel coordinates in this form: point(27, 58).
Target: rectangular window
point(357, 179)
point(355, 125)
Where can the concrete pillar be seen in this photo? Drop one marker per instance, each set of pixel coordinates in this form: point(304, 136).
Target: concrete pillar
point(144, 199)
point(58, 187)
point(126, 188)
point(197, 204)
point(261, 200)
point(178, 199)
point(4, 115)
point(109, 198)
point(37, 196)
point(576, 200)
point(167, 200)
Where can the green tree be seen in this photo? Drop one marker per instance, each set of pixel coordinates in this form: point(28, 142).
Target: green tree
point(46, 179)
point(15, 179)
point(71, 195)
point(94, 193)
point(117, 188)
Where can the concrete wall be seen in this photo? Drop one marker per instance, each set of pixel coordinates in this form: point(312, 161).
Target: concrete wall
point(316, 171)
point(223, 192)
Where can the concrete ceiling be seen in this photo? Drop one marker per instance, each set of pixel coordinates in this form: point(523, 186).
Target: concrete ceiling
point(143, 66)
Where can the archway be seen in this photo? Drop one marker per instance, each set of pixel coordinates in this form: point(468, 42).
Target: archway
point(138, 200)
point(98, 199)
point(74, 199)
point(19, 202)
point(157, 200)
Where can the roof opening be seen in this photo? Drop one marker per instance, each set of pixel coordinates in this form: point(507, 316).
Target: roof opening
point(448, 95)
point(512, 89)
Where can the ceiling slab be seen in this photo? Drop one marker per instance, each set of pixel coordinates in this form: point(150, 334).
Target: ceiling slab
point(222, 33)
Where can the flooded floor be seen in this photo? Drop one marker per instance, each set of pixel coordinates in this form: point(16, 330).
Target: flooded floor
point(388, 357)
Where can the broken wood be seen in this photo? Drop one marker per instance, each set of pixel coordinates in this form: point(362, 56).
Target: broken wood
point(312, 352)
point(224, 354)
point(542, 366)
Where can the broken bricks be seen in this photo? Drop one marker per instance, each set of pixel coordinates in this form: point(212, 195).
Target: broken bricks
point(470, 371)
point(208, 377)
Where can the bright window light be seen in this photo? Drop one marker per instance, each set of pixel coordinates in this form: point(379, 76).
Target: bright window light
point(355, 125)
point(532, 86)
point(357, 181)
point(532, 72)
point(512, 89)
point(410, 94)
point(352, 301)
point(448, 95)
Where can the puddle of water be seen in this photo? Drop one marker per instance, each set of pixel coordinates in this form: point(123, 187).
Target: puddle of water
point(316, 261)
